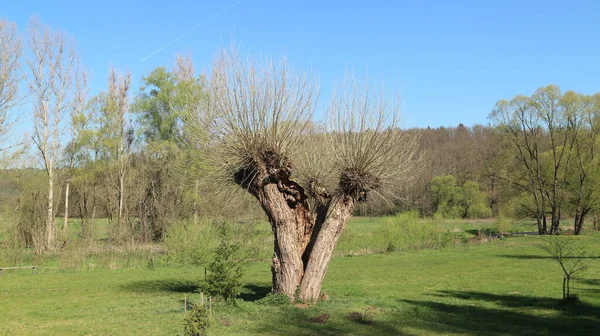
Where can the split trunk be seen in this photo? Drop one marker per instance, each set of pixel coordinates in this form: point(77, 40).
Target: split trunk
point(303, 241)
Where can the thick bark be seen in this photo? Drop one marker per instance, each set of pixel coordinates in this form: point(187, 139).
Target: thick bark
point(340, 212)
point(287, 266)
point(303, 245)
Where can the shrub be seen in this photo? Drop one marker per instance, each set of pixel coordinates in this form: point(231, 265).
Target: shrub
point(225, 273)
point(453, 201)
point(197, 321)
point(405, 230)
point(275, 299)
point(503, 224)
point(187, 243)
point(479, 210)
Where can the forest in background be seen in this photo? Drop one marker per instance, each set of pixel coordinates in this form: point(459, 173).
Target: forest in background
point(140, 157)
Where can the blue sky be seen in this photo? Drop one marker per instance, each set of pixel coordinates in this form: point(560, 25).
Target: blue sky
point(450, 61)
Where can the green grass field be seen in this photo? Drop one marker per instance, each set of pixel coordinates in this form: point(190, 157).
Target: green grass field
point(503, 287)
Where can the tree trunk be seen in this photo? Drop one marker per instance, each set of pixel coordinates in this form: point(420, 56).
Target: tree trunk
point(340, 212)
point(50, 225)
point(120, 201)
point(554, 227)
point(66, 216)
point(196, 195)
point(92, 221)
point(541, 222)
point(287, 267)
point(144, 222)
point(303, 245)
point(303, 248)
point(579, 218)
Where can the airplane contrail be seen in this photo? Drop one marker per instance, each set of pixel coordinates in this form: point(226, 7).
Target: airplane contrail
point(191, 30)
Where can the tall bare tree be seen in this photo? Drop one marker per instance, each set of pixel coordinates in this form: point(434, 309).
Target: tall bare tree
point(116, 108)
point(10, 77)
point(51, 62)
point(77, 126)
point(264, 110)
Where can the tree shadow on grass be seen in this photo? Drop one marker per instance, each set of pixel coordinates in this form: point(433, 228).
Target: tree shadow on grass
point(514, 315)
point(253, 292)
point(485, 232)
point(162, 285)
point(536, 256)
point(586, 286)
point(291, 320)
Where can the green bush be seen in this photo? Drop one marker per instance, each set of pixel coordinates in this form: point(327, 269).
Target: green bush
point(187, 243)
point(275, 299)
point(479, 210)
point(225, 272)
point(407, 231)
point(503, 224)
point(453, 201)
point(197, 321)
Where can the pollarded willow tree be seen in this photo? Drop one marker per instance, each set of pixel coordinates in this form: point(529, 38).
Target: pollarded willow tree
point(307, 179)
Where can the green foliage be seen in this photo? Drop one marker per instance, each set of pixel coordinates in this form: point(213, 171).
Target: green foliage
point(164, 99)
point(406, 231)
point(225, 272)
point(196, 321)
point(503, 224)
point(275, 299)
point(187, 243)
point(453, 201)
point(474, 201)
point(445, 195)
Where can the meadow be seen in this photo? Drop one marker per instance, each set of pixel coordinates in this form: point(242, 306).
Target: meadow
point(449, 282)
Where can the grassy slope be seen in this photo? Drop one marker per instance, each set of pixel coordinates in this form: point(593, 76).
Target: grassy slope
point(498, 288)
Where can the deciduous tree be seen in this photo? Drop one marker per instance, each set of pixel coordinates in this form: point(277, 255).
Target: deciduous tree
point(263, 109)
point(50, 62)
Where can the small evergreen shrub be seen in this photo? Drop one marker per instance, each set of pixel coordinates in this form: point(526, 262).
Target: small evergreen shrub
point(197, 321)
point(225, 272)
